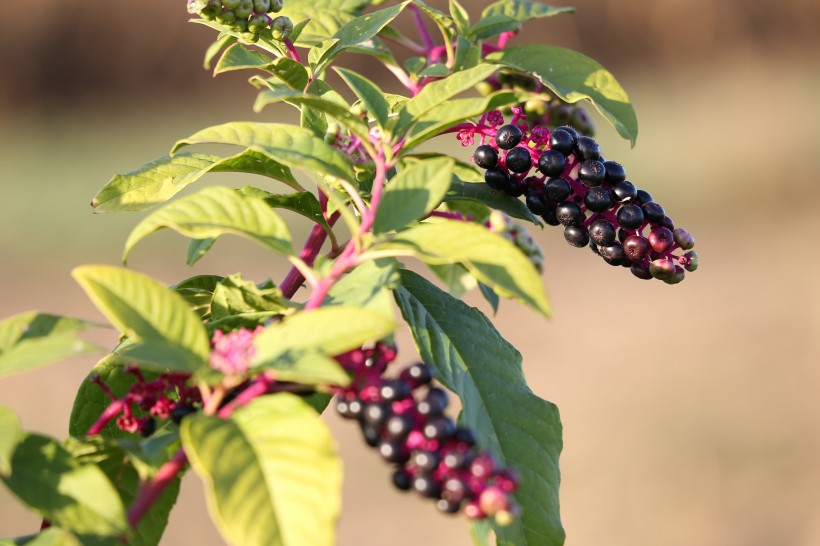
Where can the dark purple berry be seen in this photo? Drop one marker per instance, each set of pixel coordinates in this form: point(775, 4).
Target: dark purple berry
point(517, 187)
point(483, 465)
point(417, 375)
point(642, 196)
point(465, 436)
point(641, 270)
point(485, 156)
point(552, 163)
point(676, 277)
point(630, 217)
point(598, 199)
point(591, 173)
point(690, 260)
point(550, 218)
point(402, 479)
point(613, 254)
point(576, 236)
point(426, 461)
point(636, 248)
point(497, 179)
point(394, 389)
point(180, 411)
point(434, 403)
point(661, 239)
point(149, 427)
point(448, 506)
point(571, 130)
point(457, 459)
point(398, 426)
point(537, 203)
point(508, 137)
point(615, 172)
point(653, 212)
point(439, 428)
point(662, 268)
point(376, 414)
point(455, 490)
point(594, 248)
point(602, 232)
point(394, 452)
point(668, 223)
point(562, 141)
point(427, 486)
point(569, 213)
point(518, 160)
point(371, 434)
point(557, 190)
point(624, 191)
point(587, 148)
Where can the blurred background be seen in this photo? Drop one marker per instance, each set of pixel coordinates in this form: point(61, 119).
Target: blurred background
point(691, 413)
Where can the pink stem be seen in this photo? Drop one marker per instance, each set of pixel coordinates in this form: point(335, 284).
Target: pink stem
point(259, 387)
point(110, 412)
point(292, 50)
point(313, 246)
point(151, 490)
point(422, 29)
point(503, 38)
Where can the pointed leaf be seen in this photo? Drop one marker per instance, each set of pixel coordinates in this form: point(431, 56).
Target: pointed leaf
point(198, 291)
point(238, 57)
point(32, 340)
point(271, 473)
point(213, 50)
point(460, 16)
point(489, 257)
point(170, 334)
point(367, 286)
point(77, 497)
point(161, 179)
point(413, 193)
point(48, 537)
point(573, 77)
point(292, 146)
point(523, 10)
point(215, 211)
point(308, 368)
point(234, 296)
point(326, 17)
point(369, 93)
point(331, 330)
point(304, 203)
point(337, 111)
point(197, 248)
point(471, 358)
point(10, 434)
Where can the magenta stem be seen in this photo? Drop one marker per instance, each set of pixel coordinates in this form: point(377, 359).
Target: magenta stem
point(292, 50)
point(429, 44)
point(113, 409)
point(152, 489)
point(310, 251)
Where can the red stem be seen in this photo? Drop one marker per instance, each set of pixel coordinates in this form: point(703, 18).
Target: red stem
point(313, 245)
point(151, 490)
point(292, 50)
point(110, 412)
point(422, 30)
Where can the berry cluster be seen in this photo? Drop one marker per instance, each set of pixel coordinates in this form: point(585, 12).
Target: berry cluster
point(247, 16)
point(516, 233)
point(432, 455)
point(575, 187)
point(166, 397)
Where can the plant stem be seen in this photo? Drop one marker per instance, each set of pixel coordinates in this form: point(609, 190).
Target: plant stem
point(422, 29)
point(292, 50)
point(313, 246)
point(109, 413)
point(152, 489)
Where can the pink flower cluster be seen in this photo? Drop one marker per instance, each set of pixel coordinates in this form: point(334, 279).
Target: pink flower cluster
point(231, 353)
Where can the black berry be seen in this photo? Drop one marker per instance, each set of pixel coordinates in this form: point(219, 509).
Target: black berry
point(612, 254)
point(630, 217)
point(562, 141)
point(636, 247)
point(615, 172)
point(519, 160)
point(598, 199)
point(569, 213)
point(624, 190)
point(653, 212)
point(592, 173)
point(576, 236)
point(552, 163)
point(587, 148)
point(557, 190)
point(508, 137)
point(485, 156)
point(497, 179)
point(537, 203)
point(602, 232)
point(402, 479)
point(417, 374)
point(434, 403)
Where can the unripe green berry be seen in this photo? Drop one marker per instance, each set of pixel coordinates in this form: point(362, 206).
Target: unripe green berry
point(690, 260)
point(281, 27)
point(662, 269)
point(244, 9)
point(484, 88)
point(240, 25)
point(276, 6)
point(211, 10)
point(230, 4)
point(226, 17)
point(261, 6)
point(258, 23)
point(683, 238)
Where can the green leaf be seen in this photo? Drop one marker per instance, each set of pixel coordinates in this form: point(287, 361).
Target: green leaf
point(523, 10)
point(573, 77)
point(292, 73)
point(118, 466)
point(480, 192)
point(215, 211)
point(170, 335)
point(455, 111)
point(161, 179)
point(197, 248)
point(77, 497)
point(271, 473)
point(326, 17)
point(331, 330)
point(213, 50)
point(489, 295)
point(489, 257)
point(369, 93)
point(198, 291)
point(353, 33)
point(48, 537)
point(308, 368)
point(340, 112)
point(413, 193)
point(234, 296)
point(292, 146)
point(304, 203)
point(460, 16)
point(32, 340)
point(437, 92)
point(467, 55)
point(10, 433)
point(437, 70)
point(471, 358)
point(238, 57)
point(457, 280)
point(368, 286)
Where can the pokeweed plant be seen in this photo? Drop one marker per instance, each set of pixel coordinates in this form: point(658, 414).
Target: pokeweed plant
point(228, 377)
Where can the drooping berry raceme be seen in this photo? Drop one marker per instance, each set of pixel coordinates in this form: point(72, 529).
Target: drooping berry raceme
point(404, 419)
point(250, 17)
point(574, 186)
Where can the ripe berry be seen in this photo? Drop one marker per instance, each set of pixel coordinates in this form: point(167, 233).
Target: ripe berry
point(399, 426)
point(483, 465)
point(427, 486)
point(653, 212)
point(576, 236)
point(569, 213)
point(372, 435)
point(552, 163)
point(615, 172)
point(642, 196)
point(598, 199)
point(149, 427)
point(180, 411)
point(417, 374)
point(394, 389)
point(624, 190)
point(563, 141)
point(497, 179)
point(630, 217)
point(636, 248)
point(517, 187)
point(557, 190)
point(668, 223)
point(508, 137)
point(661, 239)
point(641, 270)
point(457, 459)
point(592, 173)
point(402, 479)
point(439, 428)
point(571, 130)
point(448, 506)
point(613, 254)
point(519, 160)
point(426, 461)
point(537, 203)
point(588, 148)
point(455, 490)
point(434, 403)
point(602, 232)
point(394, 452)
point(550, 218)
point(376, 414)
point(485, 156)
point(465, 436)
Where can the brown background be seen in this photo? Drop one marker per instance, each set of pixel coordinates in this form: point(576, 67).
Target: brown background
point(691, 413)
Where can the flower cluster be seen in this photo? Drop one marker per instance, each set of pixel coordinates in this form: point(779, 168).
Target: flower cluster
point(247, 16)
point(431, 454)
point(231, 353)
point(574, 186)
